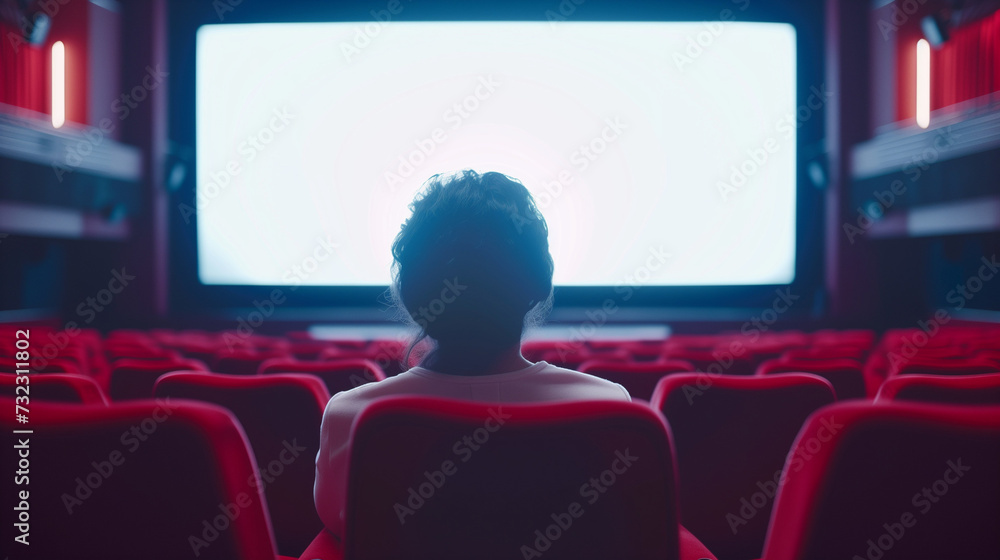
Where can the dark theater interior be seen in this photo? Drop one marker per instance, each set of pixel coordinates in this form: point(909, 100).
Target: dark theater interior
point(503, 280)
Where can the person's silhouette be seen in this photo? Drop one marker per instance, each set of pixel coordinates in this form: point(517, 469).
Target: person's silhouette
point(471, 267)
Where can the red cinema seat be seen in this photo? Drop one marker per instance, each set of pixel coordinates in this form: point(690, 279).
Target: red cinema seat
point(281, 415)
point(891, 480)
point(196, 349)
point(644, 350)
point(140, 352)
point(529, 484)
point(714, 361)
point(825, 353)
point(731, 435)
point(844, 374)
point(338, 375)
point(639, 379)
point(307, 349)
point(944, 366)
point(244, 362)
point(53, 365)
point(56, 387)
point(981, 389)
point(134, 379)
point(856, 337)
point(146, 479)
point(992, 356)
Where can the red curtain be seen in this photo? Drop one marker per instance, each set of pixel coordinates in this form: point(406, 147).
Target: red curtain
point(965, 67)
point(968, 64)
point(24, 71)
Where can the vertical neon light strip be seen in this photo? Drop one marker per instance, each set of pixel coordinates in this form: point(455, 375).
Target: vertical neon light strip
point(923, 83)
point(58, 84)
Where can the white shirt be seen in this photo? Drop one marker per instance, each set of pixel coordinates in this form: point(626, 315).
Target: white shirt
point(540, 382)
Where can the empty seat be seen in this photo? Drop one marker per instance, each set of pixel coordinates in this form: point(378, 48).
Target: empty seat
point(570, 480)
point(954, 389)
point(140, 352)
point(134, 379)
point(731, 435)
point(307, 349)
point(713, 361)
point(844, 374)
point(244, 362)
point(151, 480)
point(57, 387)
point(944, 366)
point(53, 365)
point(281, 415)
point(338, 375)
point(639, 379)
point(826, 352)
point(891, 480)
point(644, 350)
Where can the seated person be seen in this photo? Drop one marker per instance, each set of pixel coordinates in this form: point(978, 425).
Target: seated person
point(471, 268)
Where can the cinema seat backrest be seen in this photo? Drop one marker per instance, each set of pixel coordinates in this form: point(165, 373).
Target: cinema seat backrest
point(639, 379)
point(432, 479)
point(891, 481)
point(281, 415)
point(732, 434)
point(845, 374)
point(337, 375)
point(981, 389)
point(152, 480)
point(134, 379)
point(55, 387)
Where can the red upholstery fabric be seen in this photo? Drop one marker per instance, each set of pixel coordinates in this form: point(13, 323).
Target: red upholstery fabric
point(136, 480)
point(713, 361)
point(243, 362)
point(944, 366)
point(732, 434)
point(58, 387)
point(825, 352)
point(148, 351)
point(844, 374)
point(338, 375)
point(281, 415)
point(488, 487)
point(899, 480)
point(134, 379)
point(954, 389)
point(53, 365)
point(639, 379)
point(326, 547)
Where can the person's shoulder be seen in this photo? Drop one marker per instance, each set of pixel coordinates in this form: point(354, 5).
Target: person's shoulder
point(593, 386)
point(363, 394)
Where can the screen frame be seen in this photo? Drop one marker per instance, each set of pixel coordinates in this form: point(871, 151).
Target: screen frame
point(187, 293)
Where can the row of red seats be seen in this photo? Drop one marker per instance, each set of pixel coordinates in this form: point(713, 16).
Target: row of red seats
point(158, 360)
point(724, 453)
point(982, 388)
point(137, 358)
point(731, 432)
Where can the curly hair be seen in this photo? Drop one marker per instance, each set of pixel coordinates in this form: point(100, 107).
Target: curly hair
point(472, 265)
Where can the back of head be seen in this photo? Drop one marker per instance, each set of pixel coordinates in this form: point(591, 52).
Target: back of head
point(473, 260)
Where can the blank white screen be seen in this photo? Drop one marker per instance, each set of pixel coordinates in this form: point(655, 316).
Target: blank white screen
point(301, 129)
